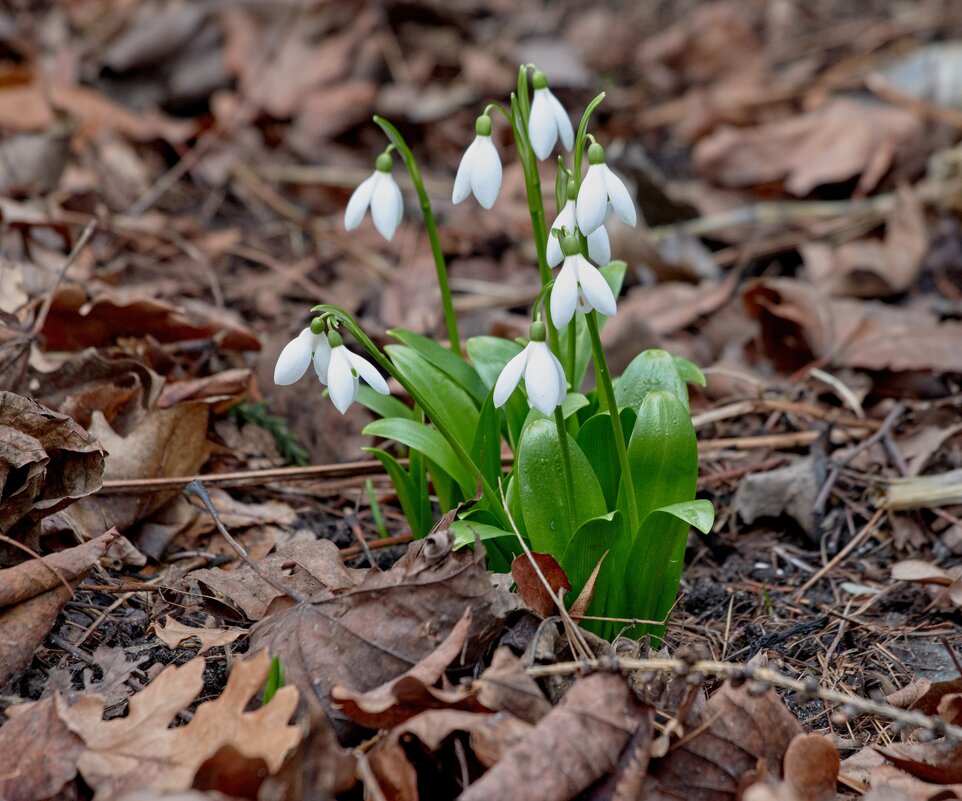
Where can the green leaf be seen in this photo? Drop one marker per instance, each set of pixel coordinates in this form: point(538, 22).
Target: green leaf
point(650, 371)
point(275, 680)
point(572, 403)
point(489, 356)
point(450, 363)
point(586, 547)
point(415, 504)
point(542, 488)
point(560, 188)
point(486, 447)
point(428, 441)
point(614, 274)
point(597, 440)
point(453, 406)
point(465, 532)
point(384, 405)
point(689, 371)
point(656, 559)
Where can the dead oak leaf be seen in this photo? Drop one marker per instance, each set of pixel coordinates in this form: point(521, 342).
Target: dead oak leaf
point(172, 633)
point(570, 748)
point(140, 751)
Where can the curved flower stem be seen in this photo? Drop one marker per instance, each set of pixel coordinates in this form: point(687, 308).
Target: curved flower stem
point(604, 380)
point(430, 224)
point(426, 405)
point(559, 420)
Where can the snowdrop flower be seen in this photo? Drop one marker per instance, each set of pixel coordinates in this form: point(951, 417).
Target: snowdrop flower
point(295, 358)
point(480, 168)
point(548, 120)
point(342, 372)
point(599, 247)
point(579, 286)
point(544, 377)
point(599, 186)
point(382, 194)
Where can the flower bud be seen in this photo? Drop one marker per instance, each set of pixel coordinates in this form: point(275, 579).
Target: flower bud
point(317, 326)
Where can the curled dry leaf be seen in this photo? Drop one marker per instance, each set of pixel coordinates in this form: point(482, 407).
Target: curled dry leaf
point(736, 731)
point(810, 770)
point(172, 633)
point(530, 587)
point(112, 760)
point(36, 595)
point(366, 635)
point(945, 586)
point(506, 686)
point(46, 462)
point(412, 692)
point(571, 747)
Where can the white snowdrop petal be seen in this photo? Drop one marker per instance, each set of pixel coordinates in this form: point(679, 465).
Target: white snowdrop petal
point(621, 200)
point(599, 246)
point(369, 373)
point(509, 378)
point(542, 126)
point(322, 358)
point(562, 121)
point(486, 172)
point(294, 359)
point(541, 378)
point(592, 200)
point(385, 205)
point(596, 289)
point(341, 382)
point(462, 181)
point(359, 202)
point(564, 294)
point(566, 219)
point(562, 380)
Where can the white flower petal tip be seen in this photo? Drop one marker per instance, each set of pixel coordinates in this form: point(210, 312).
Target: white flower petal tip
point(345, 369)
point(580, 287)
point(565, 220)
point(295, 358)
point(592, 202)
point(479, 173)
point(547, 120)
point(544, 378)
point(382, 195)
point(620, 198)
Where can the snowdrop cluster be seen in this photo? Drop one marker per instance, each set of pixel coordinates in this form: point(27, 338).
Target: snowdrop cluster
point(334, 365)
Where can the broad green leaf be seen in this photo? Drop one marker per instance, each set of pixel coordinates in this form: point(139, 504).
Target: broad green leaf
point(384, 405)
point(512, 495)
point(445, 360)
point(586, 547)
point(465, 532)
point(542, 489)
point(614, 273)
point(572, 403)
point(689, 371)
point(486, 447)
point(649, 371)
point(447, 490)
point(428, 441)
point(597, 440)
point(415, 504)
point(452, 405)
point(655, 562)
point(489, 355)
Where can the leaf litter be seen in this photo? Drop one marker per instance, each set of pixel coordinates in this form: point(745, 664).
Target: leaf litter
point(800, 177)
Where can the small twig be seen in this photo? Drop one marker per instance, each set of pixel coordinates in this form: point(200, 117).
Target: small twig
point(840, 556)
point(40, 559)
point(199, 491)
point(739, 672)
point(398, 539)
point(71, 258)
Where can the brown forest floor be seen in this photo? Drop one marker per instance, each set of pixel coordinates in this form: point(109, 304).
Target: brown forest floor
point(172, 185)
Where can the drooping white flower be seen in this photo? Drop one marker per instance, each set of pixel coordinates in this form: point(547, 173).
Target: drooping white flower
point(544, 377)
point(548, 120)
point(599, 246)
point(381, 192)
point(580, 286)
point(295, 358)
point(480, 168)
point(599, 187)
point(344, 371)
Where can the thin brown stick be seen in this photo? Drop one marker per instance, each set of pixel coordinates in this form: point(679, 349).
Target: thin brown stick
point(80, 244)
point(840, 556)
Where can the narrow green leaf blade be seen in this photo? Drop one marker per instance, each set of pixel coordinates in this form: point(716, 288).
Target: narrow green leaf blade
point(450, 363)
point(383, 405)
point(405, 486)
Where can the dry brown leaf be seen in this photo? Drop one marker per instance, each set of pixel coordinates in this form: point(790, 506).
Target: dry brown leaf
point(736, 732)
point(412, 692)
point(799, 326)
point(306, 566)
point(944, 586)
point(506, 686)
point(166, 442)
point(844, 138)
point(892, 779)
point(534, 594)
point(367, 635)
point(38, 753)
point(46, 461)
point(113, 760)
point(172, 633)
point(220, 390)
point(571, 747)
point(37, 595)
point(810, 769)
